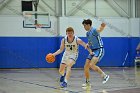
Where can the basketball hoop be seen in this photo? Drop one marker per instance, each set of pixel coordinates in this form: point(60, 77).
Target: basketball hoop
point(38, 27)
point(35, 19)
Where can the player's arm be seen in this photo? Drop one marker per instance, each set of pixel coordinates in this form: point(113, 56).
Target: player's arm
point(101, 28)
point(79, 41)
point(62, 46)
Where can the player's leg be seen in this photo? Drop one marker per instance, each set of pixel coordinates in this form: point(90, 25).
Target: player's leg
point(68, 69)
point(62, 71)
point(97, 57)
point(70, 63)
point(87, 70)
point(95, 67)
point(99, 70)
point(63, 66)
point(87, 73)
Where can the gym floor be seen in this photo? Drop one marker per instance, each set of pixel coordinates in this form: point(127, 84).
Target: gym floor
point(122, 80)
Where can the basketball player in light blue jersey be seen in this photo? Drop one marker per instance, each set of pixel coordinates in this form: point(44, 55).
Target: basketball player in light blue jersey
point(96, 45)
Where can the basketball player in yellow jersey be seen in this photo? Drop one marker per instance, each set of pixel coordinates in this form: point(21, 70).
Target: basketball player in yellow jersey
point(70, 43)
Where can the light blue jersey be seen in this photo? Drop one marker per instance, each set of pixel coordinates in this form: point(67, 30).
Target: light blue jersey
point(94, 39)
point(95, 44)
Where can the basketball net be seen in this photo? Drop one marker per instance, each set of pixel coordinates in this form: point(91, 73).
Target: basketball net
point(38, 27)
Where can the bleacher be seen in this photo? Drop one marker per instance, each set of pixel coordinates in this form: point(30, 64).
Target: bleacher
point(137, 58)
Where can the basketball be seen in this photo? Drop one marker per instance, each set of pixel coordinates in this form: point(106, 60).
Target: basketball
point(50, 58)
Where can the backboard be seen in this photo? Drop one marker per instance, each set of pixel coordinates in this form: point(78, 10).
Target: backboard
point(33, 18)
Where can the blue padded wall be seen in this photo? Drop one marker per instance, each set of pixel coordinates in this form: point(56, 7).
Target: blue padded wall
point(30, 52)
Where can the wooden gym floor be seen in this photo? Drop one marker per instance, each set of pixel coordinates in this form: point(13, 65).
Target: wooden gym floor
point(122, 80)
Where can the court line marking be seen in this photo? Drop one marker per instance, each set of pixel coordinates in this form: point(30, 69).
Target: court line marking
point(52, 87)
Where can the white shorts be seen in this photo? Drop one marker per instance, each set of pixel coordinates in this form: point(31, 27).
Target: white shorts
point(69, 55)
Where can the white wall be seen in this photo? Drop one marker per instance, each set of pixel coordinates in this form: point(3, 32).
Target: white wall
point(116, 27)
point(13, 26)
point(135, 27)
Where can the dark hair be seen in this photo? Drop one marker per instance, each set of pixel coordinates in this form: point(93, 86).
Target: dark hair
point(88, 21)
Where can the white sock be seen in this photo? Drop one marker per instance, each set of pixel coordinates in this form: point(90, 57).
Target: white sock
point(66, 80)
point(62, 74)
point(103, 74)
